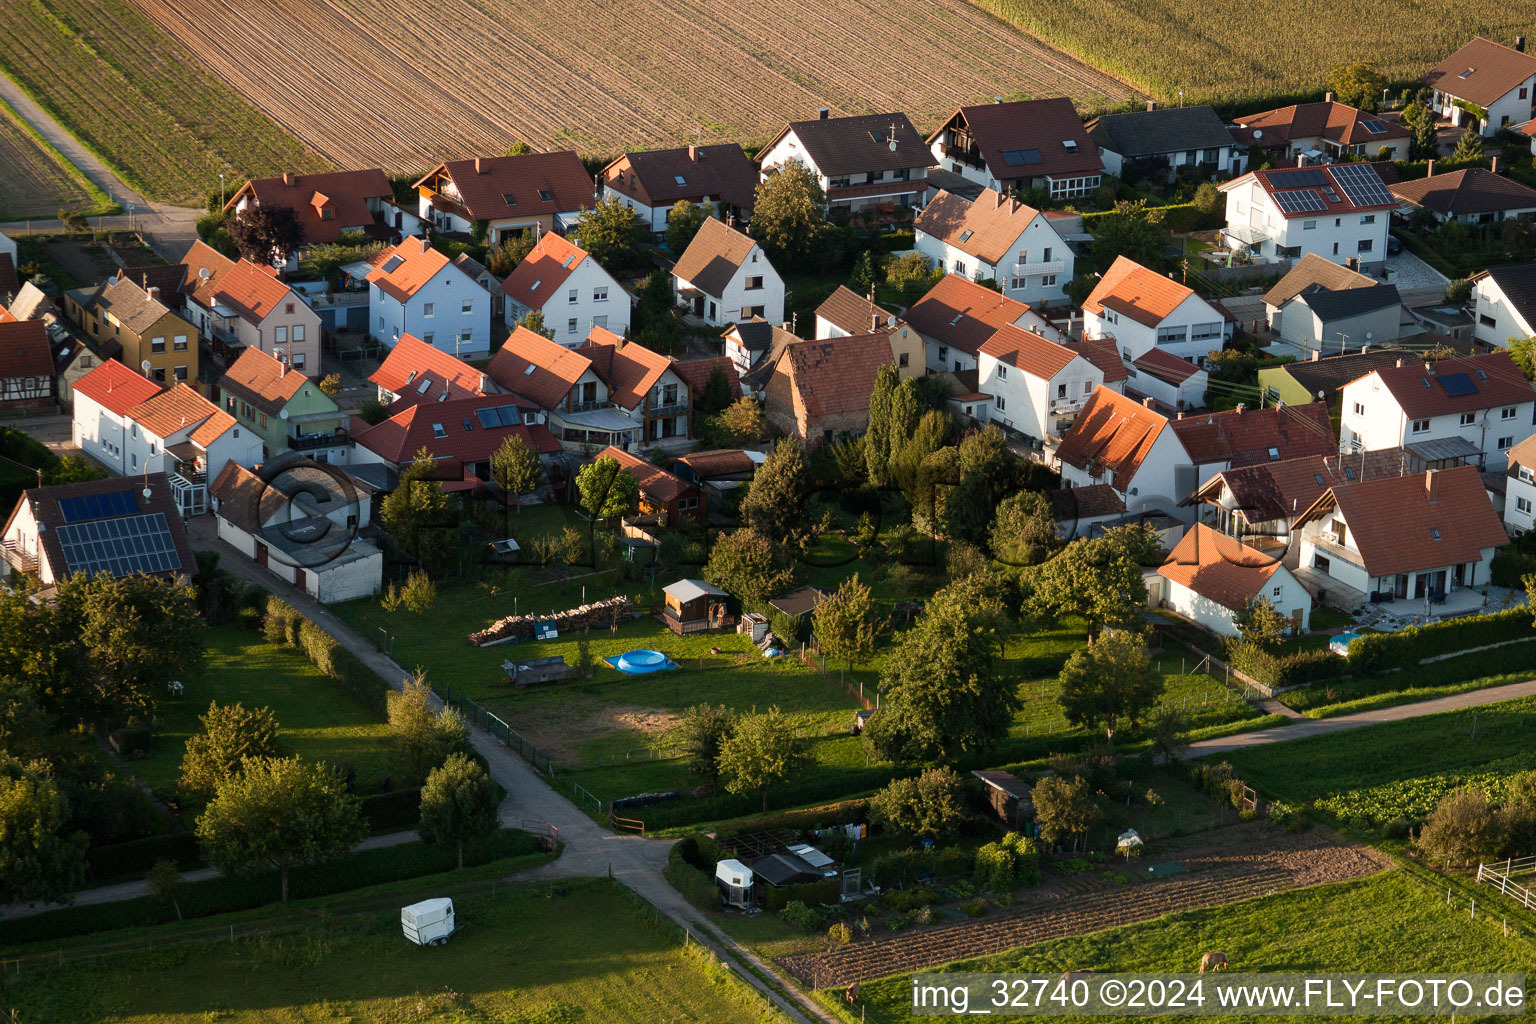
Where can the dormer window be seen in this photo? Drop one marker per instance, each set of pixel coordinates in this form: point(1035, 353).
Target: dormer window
point(509, 198)
point(438, 430)
point(545, 196)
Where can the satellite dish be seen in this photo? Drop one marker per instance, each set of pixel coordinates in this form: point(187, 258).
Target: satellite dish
point(147, 492)
point(1258, 133)
point(145, 365)
point(283, 414)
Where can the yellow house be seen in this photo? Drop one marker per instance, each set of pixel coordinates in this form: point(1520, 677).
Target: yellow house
point(134, 326)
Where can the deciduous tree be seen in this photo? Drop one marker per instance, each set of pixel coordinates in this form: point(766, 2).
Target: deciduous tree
point(419, 515)
point(845, 624)
point(425, 735)
point(683, 223)
point(230, 734)
point(279, 814)
point(139, 632)
point(533, 320)
point(1133, 231)
point(1024, 529)
point(611, 232)
point(1097, 578)
point(929, 806)
point(503, 257)
point(1260, 622)
point(39, 859)
point(746, 564)
point(788, 214)
point(761, 752)
point(745, 420)
point(1358, 84)
point(458, 804)
point(1110, 683)
point(515, 467)
point(703, 731)
point(775, 501)
point(265, 234)
point(1064, 809)
point(607, 488)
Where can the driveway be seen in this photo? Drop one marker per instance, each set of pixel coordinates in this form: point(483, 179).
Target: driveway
point(53, 431)
point(1409, 273)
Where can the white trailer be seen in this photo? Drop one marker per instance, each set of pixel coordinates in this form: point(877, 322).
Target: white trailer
point(428, 923)
point(734, 880)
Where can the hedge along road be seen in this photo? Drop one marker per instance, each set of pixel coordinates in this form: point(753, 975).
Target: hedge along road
point(590, 850)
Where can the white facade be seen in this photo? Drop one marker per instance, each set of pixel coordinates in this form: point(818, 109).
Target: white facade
point(1034, 271)
point(99, 432)
point(1329, 550)
point(1298, 323)
point(1372, 419)
point(1032, 404)
point(1191, 331)
point(451, 312)
point(1189, 394)
point(589, 297)
point(1513, 108)
point(1254, 220)
point(1163, 477)
point(942, 357)
point(905, 187)
point(1497, 319)
point(357, 572)
point(1520, 502)
point(1229, 160)
point(754, 290)
point(1283, 591)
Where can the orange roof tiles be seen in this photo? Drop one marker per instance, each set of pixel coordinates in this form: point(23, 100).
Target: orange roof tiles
point(411, 360)
point(531, 365)
point(986, 228)
point(1242, 437)
point(418, 264)
point(1101, 352)
point(539, 276)
point(963, 314)
point(116, 388)
point(1037, 356)
point(169, 411)
point(1132, 290)
point(1112, 433)
point(696, 373)
point(264, 378)
point(251, 291)
point(1219, 567)
point(630, 368)
point(655, 482)
point(203, 259)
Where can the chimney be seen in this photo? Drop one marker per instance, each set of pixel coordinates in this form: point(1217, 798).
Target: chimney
point(482, 384)
point(153, 291)
point(1317, 355)
point(479, 166)
point(1151, 105)
point(287, 179)
point(694, 154)
point(426, 246)
point(998, 199)
point(1399, 362)
point(1430, 170)
point(1301, 159)
point(821, 113)
point(1327, 97)
point(1519, 44)
point(1429, 482)
point(997, 99)
point(1242, 407)
point(1181, 411)
point(1494, 166)
point(1147, 402)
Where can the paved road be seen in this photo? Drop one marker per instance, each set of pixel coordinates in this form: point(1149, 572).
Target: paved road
point(1306, 727)
point(54, 430)
point(169, 229)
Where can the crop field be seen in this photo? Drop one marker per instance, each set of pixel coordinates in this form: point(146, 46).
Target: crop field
point(33, 181)
point(137, 99)
point(1389, 923)
point(403, 85)
point(1230, 50)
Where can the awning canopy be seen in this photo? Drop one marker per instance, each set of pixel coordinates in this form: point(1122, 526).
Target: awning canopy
point(684, 591)
point(610, 420)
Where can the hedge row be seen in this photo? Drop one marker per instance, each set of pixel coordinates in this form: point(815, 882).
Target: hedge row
point(394, 811)
point(225, 895)
point(134, 858)
point(687, 875)
point(285, 624)
point(1282, 670)
point(1511, 565)
point(812, 894)
point(1378, 652)
point(804, 820)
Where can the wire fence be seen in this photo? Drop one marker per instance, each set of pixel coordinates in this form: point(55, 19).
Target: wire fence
point(478, 715)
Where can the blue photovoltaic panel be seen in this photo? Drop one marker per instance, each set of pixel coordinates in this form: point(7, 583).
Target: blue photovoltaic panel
point(1457, 384)
point(1302, 201)
point(1297, 177)
point(120, 547)
point(1362, 185)
point(98, 506)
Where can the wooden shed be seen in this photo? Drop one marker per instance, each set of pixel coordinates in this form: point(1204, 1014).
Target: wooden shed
point(695, 605)
point(1010, 798)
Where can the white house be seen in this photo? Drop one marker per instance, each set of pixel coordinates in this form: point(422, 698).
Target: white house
point(845, 314)
point(1315, 307)
point(1037, 386)
point(1154, 143)
point(240, 304)
point(569, 288)
point(752, 343)
point(1484, 402)
point(1520, 489)
point(724, 277)
point(1020, 146)
point(301, 526)
point(863, 163)
point(110, 527)
point(103, 399)
point(1170, 381)
point(1414, 538)
point(1504, 302)
point(1498, 82)
point(415, 289)
point(1141, 309)
point(1338, 211)
point(957, 315)
point(997, 238)
point(1471, 196)
point(652, 181)
point(1211, 578)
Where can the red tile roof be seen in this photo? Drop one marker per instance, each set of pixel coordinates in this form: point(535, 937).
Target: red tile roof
point(399, 438)
point(1132, 290)
point(1219, 567)
point(1494, 380)
point(1482, 71)
point(307, 195)
point(629, 368)
point(116, 388)
point(1101, 352)
point(1337, 122)
point(986, 228)
point(561, 176)
point(1096, 501)
point(24, 349)
point(1166, 366)
point(251, 291)
point(720, 462)
point(1242, 437)
point(963, 314)
point(1305, 179)
point(836, 376)
point(263, 380)
point(1269, 491)
point(531, 365)
point(1029, 352)
point(696, 374)
point(199, 261)
point(401, 270)
point(1040, 125)
point(412, 360)
point(1471, 190)
point(655, 483)
point(175, 409)
point(1425, 521)
point(1113, 434)
point(538, 278)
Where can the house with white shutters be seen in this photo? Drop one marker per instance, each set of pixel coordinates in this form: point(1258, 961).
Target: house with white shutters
point(869, 164)
point(1037, 386)
point(1484, 86)
point(415, 289)
point(1338, 211)
point(1141, 309)
point(724, 277)
point(575, 295)
point(1504, 302)
point(1000, 239)
point(1478, 406)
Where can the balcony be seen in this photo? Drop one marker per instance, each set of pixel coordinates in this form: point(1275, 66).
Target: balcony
point(587, 406)
point(1039, 269)
point(20, 560)
point(319, 439)
point(1063, 405)
point(969, 157)
point(1326, 543)
point(676, 407)
point(325, 300)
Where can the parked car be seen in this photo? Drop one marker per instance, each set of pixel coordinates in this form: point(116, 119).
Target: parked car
point(1394, 245)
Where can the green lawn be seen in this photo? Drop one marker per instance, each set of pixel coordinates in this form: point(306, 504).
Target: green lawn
point(1462, 674)
point(1387, 923)
point(527, 955)
point(316, 719)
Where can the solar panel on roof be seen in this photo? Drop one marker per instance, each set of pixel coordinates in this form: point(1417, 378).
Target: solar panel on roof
point(1019, 157)
point(1304, 200)
point(120, 547)
point(1375, 127)
point(1297, 177)
point(1457, 384)
point(1362, 185)
point(95, 506)
point(392, 264)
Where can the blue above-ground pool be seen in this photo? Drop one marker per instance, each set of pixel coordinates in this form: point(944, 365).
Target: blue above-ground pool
point(1340, 644)
point(639, 662)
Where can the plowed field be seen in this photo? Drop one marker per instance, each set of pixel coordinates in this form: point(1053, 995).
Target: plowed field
point(32, 182)
point(403, 84)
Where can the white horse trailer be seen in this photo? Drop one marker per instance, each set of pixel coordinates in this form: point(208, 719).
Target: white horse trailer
point(734, 880)
point(428, 923)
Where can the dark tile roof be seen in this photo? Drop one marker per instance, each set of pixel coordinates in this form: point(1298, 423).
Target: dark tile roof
point(847, 310)
point(1039, 125)
point(655, 482)
point(24, 350)
point(1340, 305)
point(562, 175)
point(802, 601)
point(720, 172)
point(1314, 271)
point(1482, 71)
point(1492, 380)
point(713, 257)
point(344, 193)
point(1468, 191)
point(49, 513)
point(1242, 437)
point(1518, 283)
point(1096, 501)
point(399, 438)
point(1164, 130)
point(1329, 373)
point(1268, 491)
point(851, 145)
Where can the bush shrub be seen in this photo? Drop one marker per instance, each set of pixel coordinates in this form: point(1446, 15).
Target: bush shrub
point(840, 933)
point(801, 916)
point(689, 877)
point(1378, 652)
point(813, 893)
point(395, 811)
point(1462, 828)
point(136, 856)
point(1008, 864)
point(909, 899)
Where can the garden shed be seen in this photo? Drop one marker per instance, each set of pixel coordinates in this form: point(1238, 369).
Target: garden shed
point(695, 605)
point(783, 869)
point(800, 602)
point(1010, 798)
